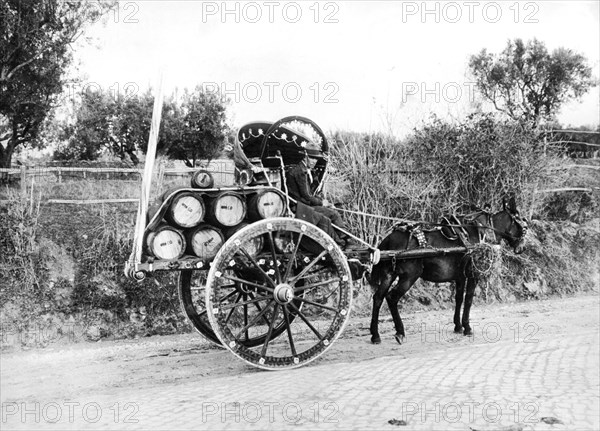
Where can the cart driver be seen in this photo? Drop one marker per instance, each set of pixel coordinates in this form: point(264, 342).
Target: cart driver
point(299, 178)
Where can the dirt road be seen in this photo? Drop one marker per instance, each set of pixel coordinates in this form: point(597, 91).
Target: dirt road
point(125, 370)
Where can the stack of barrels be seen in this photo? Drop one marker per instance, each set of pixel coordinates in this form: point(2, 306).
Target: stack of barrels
point(198, 222)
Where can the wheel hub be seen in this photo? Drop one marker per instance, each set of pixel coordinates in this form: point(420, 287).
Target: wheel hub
point(284, 293)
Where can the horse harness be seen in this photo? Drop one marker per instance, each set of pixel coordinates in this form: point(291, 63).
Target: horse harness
point(454, 230)
point(415, 230)
point(451, 228)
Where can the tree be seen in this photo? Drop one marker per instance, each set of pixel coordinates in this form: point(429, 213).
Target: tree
point(200, 130)
point(528, 83)
point(131, 125)
point(191, 129)
point(91, 131)
point(35, 53)
point(106, 123)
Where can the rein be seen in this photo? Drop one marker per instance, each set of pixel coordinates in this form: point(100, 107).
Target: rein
point(489, 217)
point(377, 216)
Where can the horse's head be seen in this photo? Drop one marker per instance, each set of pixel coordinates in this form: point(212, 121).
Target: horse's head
point(510, 226)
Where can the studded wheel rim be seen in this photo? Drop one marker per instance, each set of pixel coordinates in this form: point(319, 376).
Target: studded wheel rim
point(192, 288)
point(304, 293)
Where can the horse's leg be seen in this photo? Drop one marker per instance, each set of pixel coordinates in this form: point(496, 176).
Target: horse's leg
point(470, 292)
point(381, 290)
point(458, 298)
point(392, 299)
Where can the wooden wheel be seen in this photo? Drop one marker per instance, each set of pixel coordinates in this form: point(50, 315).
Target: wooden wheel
point(303, 292)
point(192, 288)
point(192, 285)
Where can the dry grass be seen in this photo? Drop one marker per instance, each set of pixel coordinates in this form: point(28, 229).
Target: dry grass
point(441, 169)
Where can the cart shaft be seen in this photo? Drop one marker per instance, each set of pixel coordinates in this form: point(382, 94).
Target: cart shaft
point(420, 253)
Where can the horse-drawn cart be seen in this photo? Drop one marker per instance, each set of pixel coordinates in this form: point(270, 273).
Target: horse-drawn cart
point(273, 289)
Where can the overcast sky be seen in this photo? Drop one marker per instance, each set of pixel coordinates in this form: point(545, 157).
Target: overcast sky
point(363, 65)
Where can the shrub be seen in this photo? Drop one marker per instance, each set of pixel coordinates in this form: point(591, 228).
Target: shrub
point(62, 268)
point(364, 177)
point(441, 168)
point(24, 289)
point(480, 161)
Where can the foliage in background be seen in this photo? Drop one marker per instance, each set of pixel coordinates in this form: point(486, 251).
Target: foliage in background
point(480, 161)
point(91, 130)
point(199, 127)
point(575, 206)
point(62, 271)
point(35, 53)
point(528, 83)
point(442, 168)
point(193, 126)
point(559, 258)
point(367, 174)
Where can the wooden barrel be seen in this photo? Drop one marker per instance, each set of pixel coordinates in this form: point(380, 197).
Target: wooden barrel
point(254, 246)
point(166, 243)
point(204, 241)
point(227, 209)
point(266, 204)
point(186, 210)
point(170, 190)
point(202, 179)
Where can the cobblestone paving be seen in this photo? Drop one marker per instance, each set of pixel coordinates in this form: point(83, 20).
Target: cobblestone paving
point(507, 385)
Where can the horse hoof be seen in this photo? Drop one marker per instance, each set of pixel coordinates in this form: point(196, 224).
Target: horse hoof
point(458, 329)
point(375, 340)
point(468, 332)
point(399, 338)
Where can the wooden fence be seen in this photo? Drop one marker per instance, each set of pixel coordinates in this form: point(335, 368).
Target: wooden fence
point(25, 176)
point(577, 147)
point(221, 169)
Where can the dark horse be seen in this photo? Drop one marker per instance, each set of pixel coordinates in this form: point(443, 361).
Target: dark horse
point(505, 225)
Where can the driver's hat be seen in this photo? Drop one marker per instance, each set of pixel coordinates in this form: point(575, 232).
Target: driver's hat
point(313, 149)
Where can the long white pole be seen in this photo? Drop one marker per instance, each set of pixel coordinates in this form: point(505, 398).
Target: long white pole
point(140, 224)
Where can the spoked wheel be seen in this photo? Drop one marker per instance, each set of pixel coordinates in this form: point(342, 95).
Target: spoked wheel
point(302, 289)
point(192, 287)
